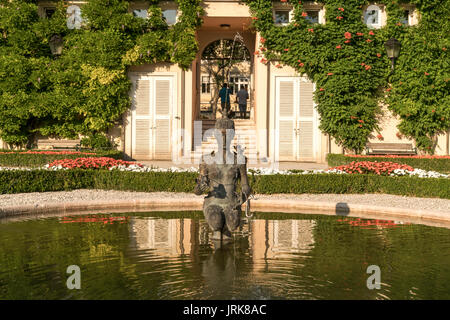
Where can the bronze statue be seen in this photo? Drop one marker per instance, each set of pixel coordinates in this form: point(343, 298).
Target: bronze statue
point(219, 175)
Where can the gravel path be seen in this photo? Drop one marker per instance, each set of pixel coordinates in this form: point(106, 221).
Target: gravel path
point(382, 200)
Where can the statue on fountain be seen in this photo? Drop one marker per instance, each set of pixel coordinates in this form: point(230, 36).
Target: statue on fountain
point(219, 175)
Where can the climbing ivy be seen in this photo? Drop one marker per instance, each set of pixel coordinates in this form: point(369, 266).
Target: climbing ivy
point(85, 90)
point(347, 61)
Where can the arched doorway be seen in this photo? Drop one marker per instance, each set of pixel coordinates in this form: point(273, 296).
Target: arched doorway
point(224, 61)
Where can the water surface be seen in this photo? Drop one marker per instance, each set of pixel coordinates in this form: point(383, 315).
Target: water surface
point(273, 256)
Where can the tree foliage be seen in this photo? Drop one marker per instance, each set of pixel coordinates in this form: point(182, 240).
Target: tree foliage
point(85, 90)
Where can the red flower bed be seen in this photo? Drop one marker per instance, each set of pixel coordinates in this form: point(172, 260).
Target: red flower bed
point(50, 152)
point(358, 222)
point(395, 156)
point(384, 168)
point(91, 163)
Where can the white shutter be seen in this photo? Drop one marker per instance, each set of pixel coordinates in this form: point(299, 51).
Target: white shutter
point(142, 139)
point(142, 97)
point(163, 101)
point(306, 122)
point(285, 98)
point(142, 122)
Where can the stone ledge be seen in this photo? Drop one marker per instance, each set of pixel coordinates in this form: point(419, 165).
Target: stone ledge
point(262, 205)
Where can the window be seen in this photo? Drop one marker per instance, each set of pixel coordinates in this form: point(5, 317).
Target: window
point(140, 13)
point(410, 15)
point(372, 16)
point(315, 12)
point(313, 16)
point(170, 15)
point(282, 16)
point(206, 84)
point(405, 18)
point(49, 12)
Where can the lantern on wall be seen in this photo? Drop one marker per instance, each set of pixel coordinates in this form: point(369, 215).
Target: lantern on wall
point(393, 50)
point(56, 44)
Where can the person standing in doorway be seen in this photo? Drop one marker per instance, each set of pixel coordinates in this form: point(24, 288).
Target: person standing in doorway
point(224, 95)
point(241, 97)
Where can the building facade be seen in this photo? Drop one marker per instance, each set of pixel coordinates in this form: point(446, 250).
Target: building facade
point(172, 109)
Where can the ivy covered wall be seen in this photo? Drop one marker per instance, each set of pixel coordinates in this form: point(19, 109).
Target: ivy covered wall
point(350, 67)
point(85, 90)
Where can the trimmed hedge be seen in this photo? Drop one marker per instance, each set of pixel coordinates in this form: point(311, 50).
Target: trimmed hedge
point(23, 159)
point(42, 181)
point(430, 164)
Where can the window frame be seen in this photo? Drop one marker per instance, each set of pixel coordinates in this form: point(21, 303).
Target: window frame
point(289, 12)
point(381, 15)
point(316, 6)
point(164, 5)
point(413, 16)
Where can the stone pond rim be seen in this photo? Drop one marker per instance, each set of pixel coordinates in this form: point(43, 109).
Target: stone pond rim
point(423, 216)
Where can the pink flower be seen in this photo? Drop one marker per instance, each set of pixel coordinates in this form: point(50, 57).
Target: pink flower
point(368, 40)
point(347, 35)
point(304, 14)
point(378, 55)
point(338, 47)
point(427, 74)
point(330, 73)
point(371, 33)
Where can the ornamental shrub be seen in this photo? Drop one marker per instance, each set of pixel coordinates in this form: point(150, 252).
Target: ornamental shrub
point(43, 180)
point(97, 141)
point(40, 158)
point(85, 90)
point(429, 163)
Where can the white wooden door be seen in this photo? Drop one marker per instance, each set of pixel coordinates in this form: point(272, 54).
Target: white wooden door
point(152, 108)
point(306, 123)
point(296, 122)
point(163, 118)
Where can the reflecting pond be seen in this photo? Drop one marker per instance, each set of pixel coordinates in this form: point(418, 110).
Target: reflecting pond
point(169, 255)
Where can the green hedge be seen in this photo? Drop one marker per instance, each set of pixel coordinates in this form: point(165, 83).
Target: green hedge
point(23, 159)
point(430, 164)
point(42, 180)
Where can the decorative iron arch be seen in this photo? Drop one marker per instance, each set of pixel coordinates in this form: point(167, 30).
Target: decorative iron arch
point(223, 49)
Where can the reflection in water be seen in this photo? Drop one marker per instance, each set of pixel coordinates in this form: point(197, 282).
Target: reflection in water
point(140, 256)
point(266, 238)
point(255, 243)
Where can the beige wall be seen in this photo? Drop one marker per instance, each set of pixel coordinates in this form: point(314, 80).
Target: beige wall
point(388, 125)
point(225, 9)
